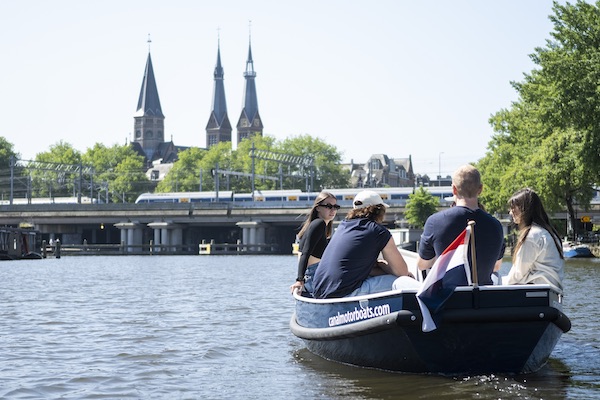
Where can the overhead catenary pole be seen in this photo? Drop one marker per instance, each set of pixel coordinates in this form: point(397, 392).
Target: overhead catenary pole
point(252, 179)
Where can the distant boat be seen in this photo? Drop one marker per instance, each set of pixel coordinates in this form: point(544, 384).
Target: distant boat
point(577, 251)
point(19, 243)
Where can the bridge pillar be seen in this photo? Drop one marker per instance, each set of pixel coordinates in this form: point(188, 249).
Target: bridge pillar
point(131, 235)
point(253, 233)
point(167, 235)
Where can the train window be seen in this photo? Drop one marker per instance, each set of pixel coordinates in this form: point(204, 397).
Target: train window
point(292, 198)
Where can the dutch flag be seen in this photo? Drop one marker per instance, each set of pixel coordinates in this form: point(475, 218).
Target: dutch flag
point(450, 270)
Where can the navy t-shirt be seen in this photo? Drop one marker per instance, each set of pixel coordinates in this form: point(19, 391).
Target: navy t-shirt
point(349, 257)
point(443, 227)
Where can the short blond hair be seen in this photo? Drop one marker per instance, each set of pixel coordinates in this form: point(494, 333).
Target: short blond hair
point(467, 181)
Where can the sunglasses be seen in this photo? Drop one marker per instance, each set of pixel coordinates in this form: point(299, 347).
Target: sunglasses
point(331, 206)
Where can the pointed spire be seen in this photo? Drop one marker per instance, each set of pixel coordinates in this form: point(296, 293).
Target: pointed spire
point(149, 102)
point(218, 128)
point(250, 98)
point(249, 123)
point(250, 62)
point(219, 106)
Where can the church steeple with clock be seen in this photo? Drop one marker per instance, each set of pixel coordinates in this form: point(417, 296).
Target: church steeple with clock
point(249, 123)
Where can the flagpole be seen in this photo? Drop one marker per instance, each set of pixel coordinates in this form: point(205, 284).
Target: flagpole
point(473, 258)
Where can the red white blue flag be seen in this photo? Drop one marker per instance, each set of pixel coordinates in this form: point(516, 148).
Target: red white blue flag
point(451, 269)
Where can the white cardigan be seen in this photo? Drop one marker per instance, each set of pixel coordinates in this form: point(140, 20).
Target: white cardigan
point(538, 260)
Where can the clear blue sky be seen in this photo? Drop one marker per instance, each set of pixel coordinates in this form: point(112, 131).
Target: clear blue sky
point(397, 77)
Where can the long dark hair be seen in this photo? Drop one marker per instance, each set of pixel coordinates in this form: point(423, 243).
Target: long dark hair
point(314, 213)
point(532, 211)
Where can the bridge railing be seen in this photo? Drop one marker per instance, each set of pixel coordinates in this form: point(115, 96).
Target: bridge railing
point(117, 249)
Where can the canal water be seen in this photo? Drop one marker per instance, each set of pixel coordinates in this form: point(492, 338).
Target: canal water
point(217, 327)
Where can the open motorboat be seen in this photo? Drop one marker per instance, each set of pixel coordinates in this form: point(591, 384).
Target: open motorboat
point(482, 329)
point(577, 250)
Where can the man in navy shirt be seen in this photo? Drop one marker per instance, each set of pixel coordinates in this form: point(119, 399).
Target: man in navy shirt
point(443, 227)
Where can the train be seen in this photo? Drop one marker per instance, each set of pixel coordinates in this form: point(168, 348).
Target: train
point(50, 200)
point(292, 198)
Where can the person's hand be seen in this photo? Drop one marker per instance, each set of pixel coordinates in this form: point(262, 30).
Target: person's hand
point(298, 285)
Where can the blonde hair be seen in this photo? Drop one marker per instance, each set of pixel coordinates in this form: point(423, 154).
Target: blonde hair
point(467, 181)
point(314, 214)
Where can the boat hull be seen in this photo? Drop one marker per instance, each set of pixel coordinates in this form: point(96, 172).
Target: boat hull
point(510, 329)
point(578, 252)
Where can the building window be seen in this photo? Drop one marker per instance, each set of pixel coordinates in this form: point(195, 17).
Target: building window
point(212, 140)
point(154, 175)
point(149, 134)
point(138, 134)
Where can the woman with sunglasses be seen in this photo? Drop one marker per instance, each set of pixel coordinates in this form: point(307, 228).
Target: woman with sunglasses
point(350, 265)
point(314, 237)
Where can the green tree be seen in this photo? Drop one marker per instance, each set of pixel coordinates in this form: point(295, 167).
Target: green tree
point(420, 205)
point(328, 173)
point(6, 154)
point(56, 174)
point(118, 170)
point(242, 162)
point(548, 139)
point(129, 178)
point(185, 174)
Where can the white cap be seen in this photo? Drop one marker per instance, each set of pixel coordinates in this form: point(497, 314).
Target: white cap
point(367, 198)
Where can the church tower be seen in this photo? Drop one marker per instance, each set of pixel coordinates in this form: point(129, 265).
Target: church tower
point(218, 128)
point(249, 123)
point(149, 119)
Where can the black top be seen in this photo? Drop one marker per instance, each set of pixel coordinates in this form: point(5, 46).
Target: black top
point(312, 243)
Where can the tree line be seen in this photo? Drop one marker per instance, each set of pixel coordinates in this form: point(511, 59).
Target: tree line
point(119, 174)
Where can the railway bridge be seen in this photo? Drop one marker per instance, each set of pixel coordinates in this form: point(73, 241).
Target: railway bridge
point(179, 225)
point(185, 226)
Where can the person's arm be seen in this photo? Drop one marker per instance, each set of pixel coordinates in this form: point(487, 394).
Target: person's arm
point(395, 262)
point(498, 265)
point(425, 264)
point(312, 236)
point(523, 261)
point(501, 256)
point(426, 248)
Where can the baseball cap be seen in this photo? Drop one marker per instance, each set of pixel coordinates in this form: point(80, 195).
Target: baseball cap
point(367, 198)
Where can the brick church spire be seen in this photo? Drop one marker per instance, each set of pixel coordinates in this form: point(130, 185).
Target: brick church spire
point(149, 118)
point(218, 128)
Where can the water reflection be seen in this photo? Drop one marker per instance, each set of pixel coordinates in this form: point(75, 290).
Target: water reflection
point(551, 382)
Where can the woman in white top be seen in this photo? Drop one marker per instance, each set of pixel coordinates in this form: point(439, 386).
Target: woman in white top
point(538, 255)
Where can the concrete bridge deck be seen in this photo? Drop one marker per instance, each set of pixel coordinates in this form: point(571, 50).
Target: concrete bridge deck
point(175, 224)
